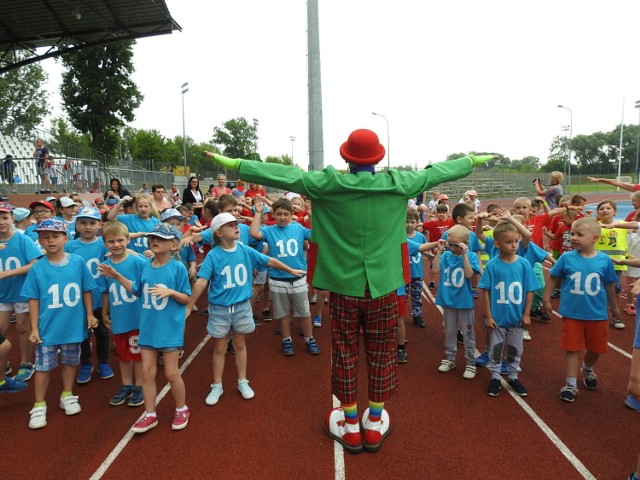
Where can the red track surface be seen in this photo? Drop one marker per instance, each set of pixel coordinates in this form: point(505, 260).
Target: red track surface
point(443, 426)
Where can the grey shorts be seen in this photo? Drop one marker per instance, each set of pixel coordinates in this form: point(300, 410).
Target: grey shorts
point(261, 277)
point(160, 350)
point(286, 295)
point(237, 318)
point(16, 307)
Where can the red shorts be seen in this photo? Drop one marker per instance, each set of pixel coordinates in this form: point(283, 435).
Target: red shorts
point(578, 335)
point(127, 347)
point(402, 305)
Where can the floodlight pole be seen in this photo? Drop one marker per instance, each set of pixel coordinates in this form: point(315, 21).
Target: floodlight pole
point(638, 144)
point(570, 139)
point(293, 139)
point(184, 89)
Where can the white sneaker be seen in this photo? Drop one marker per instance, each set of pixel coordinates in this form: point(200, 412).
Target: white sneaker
point(38, 417)
point(526, 335)
point(446, 366)
point(469, 372)
point(215, 394)
point(245, 390)
point(70, 405)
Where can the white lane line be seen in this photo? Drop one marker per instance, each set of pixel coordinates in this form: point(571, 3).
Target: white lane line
point(102, 469)
point(338, 452)
point(559, 444)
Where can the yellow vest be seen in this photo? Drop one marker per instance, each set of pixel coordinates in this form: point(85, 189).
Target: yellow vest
point(613, 243)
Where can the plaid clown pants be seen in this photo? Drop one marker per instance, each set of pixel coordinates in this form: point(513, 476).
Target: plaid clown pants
point(378, 319)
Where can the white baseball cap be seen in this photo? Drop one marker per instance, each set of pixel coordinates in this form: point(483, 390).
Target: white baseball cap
point(222, 219)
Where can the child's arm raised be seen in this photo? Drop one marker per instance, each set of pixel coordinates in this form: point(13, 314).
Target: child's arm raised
point(524, 232)
point(256, 223)
point(435, 268)
point(113, 213)
point(466, 265)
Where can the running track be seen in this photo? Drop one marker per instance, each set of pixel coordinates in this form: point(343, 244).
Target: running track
point(443, 426)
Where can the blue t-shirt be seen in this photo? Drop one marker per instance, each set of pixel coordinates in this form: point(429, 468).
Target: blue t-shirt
point(192, 221)
point(533, 253)
point(287, 245)
point(93, 254)
point(136, 224)
point(124, 307)
point(71, 226)
point(20, 251)
point(245, 238)
point(474, 243)
point(583, 295)
point(187, 254)
point(415, 260)
point(162, 320)
point(508, 285)
point(30, 231)
point(455, 291)
point(62, 317)
point(230, 273)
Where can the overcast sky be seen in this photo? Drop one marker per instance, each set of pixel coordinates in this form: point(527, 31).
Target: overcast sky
point(449, 76)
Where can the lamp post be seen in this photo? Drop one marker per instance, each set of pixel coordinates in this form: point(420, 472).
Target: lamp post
point(565, 130)
point(184, 89)
point(570, 138)
point(638, 143)
point(293, 139)
point(388, 142)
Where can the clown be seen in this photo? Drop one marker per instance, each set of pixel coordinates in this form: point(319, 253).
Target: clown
point(359, 254)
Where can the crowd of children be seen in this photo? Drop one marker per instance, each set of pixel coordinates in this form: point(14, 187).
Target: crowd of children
point(127, 275)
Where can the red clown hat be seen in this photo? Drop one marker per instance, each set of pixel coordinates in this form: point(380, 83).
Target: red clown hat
point(362, 148)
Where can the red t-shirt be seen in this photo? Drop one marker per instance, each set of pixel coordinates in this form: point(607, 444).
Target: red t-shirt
point(435, 228)
point(252, 193)
point(535, 226)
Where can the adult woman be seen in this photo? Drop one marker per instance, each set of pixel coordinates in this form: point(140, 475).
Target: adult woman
point(222, 188)
point(553, 192)
point(115, 193)
point(160, 201)
point(193, 195)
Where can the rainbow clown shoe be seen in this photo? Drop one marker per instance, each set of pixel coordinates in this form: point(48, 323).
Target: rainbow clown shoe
point(346, 434)
point(375, 432)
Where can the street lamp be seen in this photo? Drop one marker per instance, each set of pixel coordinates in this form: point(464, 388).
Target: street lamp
point(388, 141)
point(638, 143)
point(570, 139)
point(184, 89)
point(293, 139)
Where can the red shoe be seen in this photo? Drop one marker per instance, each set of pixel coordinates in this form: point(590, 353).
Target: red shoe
point(347, 435)
point(145, 424)
point(180, 420)
point(630, 309)
point(375, 432)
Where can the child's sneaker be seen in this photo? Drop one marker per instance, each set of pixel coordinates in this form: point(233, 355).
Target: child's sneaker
point(617, 323)
point(432, 285)
point(105, 371)
point(121, 396)
point(215, 394)
point(482, 359)
point(287, 348)
point(70, 405)
point(460, 338)
point(633, 403)
point(469, 372)
point(84, 373)
point(145, 424)
point(518, 387)
point(314, 299)
point(38, 417)
point(568, 393)
point(630, 309)
point(12, 386)
point(317, 321)
point(311, 347)
point(245, 390)
point(504, 367)
point(346, 434)
point(555, 293)
point(526, 335)
point(136, 398)
point(8, 369)
point(180, 420)
point(230, 347)
point(403, 356)
point(475, 293)
point(446, 366)
point(539, 314)
point(25, 372)
point(418, 321)
point(590, 379)
point(266, 315)
point(375, 432)
point(493, 390)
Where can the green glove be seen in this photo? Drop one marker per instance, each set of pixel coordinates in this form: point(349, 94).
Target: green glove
point(477, 160)
point(230, 163)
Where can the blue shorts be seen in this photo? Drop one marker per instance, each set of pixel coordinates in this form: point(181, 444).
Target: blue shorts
point(47, 356)
point(237, 318)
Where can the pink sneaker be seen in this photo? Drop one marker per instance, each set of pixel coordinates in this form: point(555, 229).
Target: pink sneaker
point(145, 424)
point(180, 420)
point(375, 432)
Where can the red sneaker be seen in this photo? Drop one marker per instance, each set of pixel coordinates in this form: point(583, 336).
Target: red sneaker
point(375, 432)
point(346, 434)
point(180, 420)
point(630, 309)
point(145, 424)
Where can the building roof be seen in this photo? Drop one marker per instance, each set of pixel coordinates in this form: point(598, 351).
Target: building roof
point(56, 27)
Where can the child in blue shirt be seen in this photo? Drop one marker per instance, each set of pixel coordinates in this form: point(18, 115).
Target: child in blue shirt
point(187, 253)
point(42, 210)
point(58, 287)
point(91, 248)
point(414, 288)
point(456, 267)
point(286, 242)
point(508, 283)
point(163, 287)
point(139, 224)
point(17, 254)
point(588, 288)
point(227, 269)
point(67, 210)
point(121, 312)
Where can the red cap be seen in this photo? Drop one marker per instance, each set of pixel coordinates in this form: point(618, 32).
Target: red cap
point(44, 204)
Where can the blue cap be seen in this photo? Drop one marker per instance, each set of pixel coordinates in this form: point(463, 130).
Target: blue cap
point(166, 231)
point(172, 213)
point(89, 212)
point(52, 225)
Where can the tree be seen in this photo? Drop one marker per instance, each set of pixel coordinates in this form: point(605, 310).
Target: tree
point(66, 140)
point(526, 165)
point(238, 138)
point(98, 92)
point(23, 100)
point(282, 159)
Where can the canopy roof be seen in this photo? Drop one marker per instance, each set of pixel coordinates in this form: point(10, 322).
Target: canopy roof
point(62, 26)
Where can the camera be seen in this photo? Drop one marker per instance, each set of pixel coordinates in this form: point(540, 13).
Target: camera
point(537, 180)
